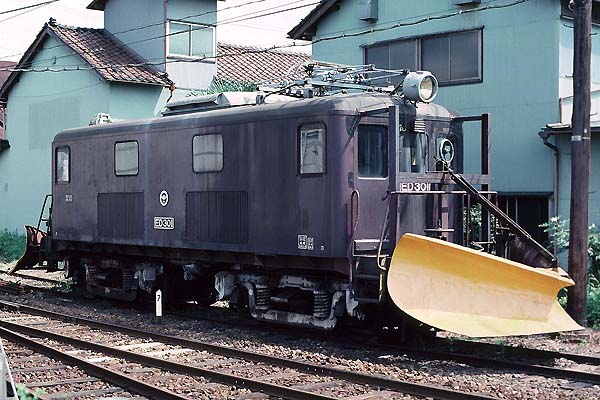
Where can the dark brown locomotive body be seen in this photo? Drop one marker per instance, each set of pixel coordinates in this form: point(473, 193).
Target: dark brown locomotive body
point(258, 219)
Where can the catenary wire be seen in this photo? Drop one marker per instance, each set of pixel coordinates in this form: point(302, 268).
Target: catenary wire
point(236, 19)
point(294, 44)
point(184, 19)
point(43, 3)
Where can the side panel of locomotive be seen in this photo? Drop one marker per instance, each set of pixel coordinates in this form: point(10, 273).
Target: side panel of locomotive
point(258, 202)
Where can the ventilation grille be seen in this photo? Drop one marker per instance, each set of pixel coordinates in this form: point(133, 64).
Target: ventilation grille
point(419, 126)
point(217, 217)
point(121, 215)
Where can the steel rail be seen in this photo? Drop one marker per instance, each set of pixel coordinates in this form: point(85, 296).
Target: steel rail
point(487, 362)
point(380, 382)
point(527, 351)
point(227, 379)
point(116, 378)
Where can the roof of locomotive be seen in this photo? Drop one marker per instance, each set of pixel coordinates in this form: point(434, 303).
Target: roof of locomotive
point(348, 104)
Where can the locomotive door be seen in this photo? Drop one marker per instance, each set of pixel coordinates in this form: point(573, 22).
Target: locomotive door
point(371, 182)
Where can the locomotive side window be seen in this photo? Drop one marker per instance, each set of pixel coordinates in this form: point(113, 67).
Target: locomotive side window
point(311, 149)
point(63, 164)
point(372, 151)
point(207, 151)
point(126, 158)
point(413, 152)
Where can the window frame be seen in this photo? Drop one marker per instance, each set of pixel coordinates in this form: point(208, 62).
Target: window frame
point(222, 153)
point(190, 39)
point(386, 153)
point(56, 180)
point(115, 158)
point(299, 150)
point(419, 55)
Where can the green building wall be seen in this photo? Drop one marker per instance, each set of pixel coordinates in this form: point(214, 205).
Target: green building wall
point(42, 104)
point(520, 77)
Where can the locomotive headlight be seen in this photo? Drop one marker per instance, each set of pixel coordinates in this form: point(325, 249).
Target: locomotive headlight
point(420, 86)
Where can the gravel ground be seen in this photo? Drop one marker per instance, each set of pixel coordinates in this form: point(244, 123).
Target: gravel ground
point(502, 384)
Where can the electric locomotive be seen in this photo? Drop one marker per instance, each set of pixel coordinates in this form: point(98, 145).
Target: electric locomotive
point(325, 198)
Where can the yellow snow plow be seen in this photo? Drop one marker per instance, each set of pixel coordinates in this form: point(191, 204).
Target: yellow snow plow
point(472, 293)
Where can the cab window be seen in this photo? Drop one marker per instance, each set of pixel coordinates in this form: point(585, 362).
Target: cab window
point(372, 151)
point(63, 164)
point(126, 158)
point(413, 152)
point(311, 149)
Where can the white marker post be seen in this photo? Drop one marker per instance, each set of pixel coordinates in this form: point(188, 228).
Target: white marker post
point(158, 305)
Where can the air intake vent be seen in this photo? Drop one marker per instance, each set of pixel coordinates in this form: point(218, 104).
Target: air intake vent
point(419, 126)
point(217, 217)
point(121, 215)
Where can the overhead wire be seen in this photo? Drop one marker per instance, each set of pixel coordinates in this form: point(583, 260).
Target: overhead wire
point(272, 48)
point(43, 3)
point(184, 19)
point(28, 10)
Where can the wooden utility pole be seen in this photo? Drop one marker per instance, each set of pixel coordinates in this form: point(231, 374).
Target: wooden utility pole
point(580, 160)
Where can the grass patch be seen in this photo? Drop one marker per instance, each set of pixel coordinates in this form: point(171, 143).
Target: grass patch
point(12, 246)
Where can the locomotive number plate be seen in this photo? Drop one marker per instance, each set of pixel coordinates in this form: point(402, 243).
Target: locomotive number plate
point(411, 187)
point(164, 223)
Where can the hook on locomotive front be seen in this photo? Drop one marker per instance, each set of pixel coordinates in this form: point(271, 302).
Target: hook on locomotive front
point(321, 199)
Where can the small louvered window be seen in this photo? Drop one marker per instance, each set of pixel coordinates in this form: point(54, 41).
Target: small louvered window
point(126, 158)
point(207, 151)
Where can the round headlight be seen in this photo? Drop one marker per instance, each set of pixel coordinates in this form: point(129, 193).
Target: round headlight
point(420, 86)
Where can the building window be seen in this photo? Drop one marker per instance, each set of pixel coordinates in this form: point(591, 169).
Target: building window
point(565, 11)
point(311, 149)
point(372, 151)
point(191, 40)
point(529, 211)
point(63, 164)
point(207, 152)
point(126, 158)
point(452, 57)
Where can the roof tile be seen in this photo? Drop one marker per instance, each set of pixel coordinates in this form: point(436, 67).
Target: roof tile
point(254, 64)
point(101, 50)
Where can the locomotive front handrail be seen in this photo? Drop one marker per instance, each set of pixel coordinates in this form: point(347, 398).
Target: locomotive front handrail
point(500, 215)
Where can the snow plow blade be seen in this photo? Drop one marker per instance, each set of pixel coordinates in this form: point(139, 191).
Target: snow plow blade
point(460, 290)
point(32, 255)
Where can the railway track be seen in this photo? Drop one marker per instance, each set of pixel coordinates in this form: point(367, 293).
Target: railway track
point(235, 368)
point(456, 347)
point(57, 375)
point(504, 357)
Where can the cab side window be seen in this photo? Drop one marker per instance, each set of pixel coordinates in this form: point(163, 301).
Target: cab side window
point(63, 164)
point(372, 151)
point(126, 158)
point(311, 149)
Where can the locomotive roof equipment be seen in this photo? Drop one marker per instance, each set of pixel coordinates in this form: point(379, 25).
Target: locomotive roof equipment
point(345, 201)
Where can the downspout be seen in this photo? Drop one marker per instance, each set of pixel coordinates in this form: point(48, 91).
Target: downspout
point(545, 135)
point(165, 24)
